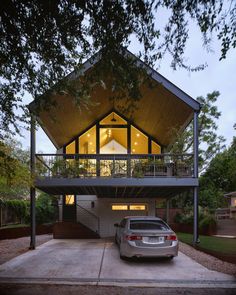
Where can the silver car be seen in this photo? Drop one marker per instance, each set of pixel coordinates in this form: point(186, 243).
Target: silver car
point(145, 236)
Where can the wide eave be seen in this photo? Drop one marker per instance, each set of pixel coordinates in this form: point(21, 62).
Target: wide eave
point(160, 110)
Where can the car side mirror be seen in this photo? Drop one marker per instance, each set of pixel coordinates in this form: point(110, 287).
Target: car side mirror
point(116, 225)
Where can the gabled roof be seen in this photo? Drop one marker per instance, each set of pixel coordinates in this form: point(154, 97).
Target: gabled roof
point(159, 110)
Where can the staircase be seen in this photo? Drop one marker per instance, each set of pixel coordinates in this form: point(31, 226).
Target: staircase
point(72, 230)
point(226, 227)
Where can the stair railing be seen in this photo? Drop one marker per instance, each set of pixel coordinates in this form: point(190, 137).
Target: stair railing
point(88, 219)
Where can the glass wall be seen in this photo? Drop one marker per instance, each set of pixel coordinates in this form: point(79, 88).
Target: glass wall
point(87, 142)
point(113, 140)
point(113, 132)
point(139, 142)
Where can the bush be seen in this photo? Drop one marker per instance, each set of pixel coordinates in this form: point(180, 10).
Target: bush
point(207, 221)
point(45, 209)
point(19, 207)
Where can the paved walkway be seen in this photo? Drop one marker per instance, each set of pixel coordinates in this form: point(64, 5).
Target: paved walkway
point(97, 262)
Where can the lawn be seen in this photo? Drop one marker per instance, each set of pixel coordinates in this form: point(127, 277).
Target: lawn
point(14, 225)
point(221, 245)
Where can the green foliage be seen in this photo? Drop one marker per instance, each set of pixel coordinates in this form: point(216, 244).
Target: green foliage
point(187, 217)
point(221, 245)
point(219, 178)
point(210, 142)
point(46, 209)
point(15, 176)
point(68, 168)
point(19, 207)
point(42, 41)
point(206, 221)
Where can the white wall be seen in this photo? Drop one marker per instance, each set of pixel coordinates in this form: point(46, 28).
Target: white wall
point(102, 208)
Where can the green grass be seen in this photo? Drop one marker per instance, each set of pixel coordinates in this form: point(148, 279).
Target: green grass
point(221, 245)
point(14, 225)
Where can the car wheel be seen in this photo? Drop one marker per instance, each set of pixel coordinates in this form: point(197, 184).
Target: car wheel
point(122, 257)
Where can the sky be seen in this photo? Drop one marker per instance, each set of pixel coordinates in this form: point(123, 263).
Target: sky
point(218, 75)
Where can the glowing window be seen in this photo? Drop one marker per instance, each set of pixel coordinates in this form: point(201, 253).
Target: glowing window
point(87, 142)
point(137, 207)
point(113, 119)
point(70, 148)
point(120, 207)
point(139, 142)
point(156, 149)
point(70, 200)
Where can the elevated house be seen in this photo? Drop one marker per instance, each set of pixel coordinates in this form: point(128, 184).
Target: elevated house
point(109, 165)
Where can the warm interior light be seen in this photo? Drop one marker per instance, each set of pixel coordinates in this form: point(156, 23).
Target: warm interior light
point(137, 134)
point(133, 150)
point(90, 143)
point(135, 143)
point(88, 134)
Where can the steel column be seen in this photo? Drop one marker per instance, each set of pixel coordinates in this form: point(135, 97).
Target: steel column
point(32, 188)
point(195, 189)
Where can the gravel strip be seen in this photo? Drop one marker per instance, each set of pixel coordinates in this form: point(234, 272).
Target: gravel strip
point(14, 247)
point(207, 260)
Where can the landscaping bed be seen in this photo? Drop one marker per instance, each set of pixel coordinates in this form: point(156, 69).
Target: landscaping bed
point(222, 248)
point(18, 231)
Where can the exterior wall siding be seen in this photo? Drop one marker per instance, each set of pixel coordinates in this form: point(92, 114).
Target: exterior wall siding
point(102, 209)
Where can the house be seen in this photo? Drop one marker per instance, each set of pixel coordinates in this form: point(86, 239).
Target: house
point(109, 165)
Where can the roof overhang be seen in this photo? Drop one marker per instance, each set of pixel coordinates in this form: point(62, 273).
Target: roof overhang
point(160, 109)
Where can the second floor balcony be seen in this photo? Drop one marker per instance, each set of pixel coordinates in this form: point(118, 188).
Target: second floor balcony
point(114, 166)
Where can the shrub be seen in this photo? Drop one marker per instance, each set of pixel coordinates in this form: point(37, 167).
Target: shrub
point(19, 207)
point(207, 221)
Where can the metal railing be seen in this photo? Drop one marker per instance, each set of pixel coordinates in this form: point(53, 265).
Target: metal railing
point(88, 219)
point(107, 165)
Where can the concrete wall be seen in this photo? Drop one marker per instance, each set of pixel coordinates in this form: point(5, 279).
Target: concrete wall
point(102, 209)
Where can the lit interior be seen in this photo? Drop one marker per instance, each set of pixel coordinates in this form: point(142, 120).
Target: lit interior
point(156, 149)
point(139, 142)
point(113, 119)
point(131, 207)
point(113, 140)
point(70, 200)
point(70, 148)
point(87, 142)
point(119, 207)
point(137, 207)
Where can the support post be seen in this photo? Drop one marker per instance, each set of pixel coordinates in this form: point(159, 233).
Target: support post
point(167, 210)
point(195, 189)
point(32, 188)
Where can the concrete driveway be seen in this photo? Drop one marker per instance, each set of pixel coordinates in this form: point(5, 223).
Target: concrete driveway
point(97, 262)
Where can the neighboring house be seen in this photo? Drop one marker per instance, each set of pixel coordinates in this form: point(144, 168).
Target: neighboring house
point(109, 165)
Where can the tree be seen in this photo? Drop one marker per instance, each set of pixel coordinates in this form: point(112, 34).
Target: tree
point(42, 41)
point(210, 143)
point(219, 178)
point(15, 176)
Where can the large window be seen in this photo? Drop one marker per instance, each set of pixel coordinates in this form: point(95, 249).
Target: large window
point(87, 142)
point(70, 148)
point(139, 142)
point(113, 139)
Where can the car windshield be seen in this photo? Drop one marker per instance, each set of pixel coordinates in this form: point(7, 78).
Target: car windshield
point(148, 225)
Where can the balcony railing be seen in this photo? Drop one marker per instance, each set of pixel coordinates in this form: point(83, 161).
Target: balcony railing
point(107, 165)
